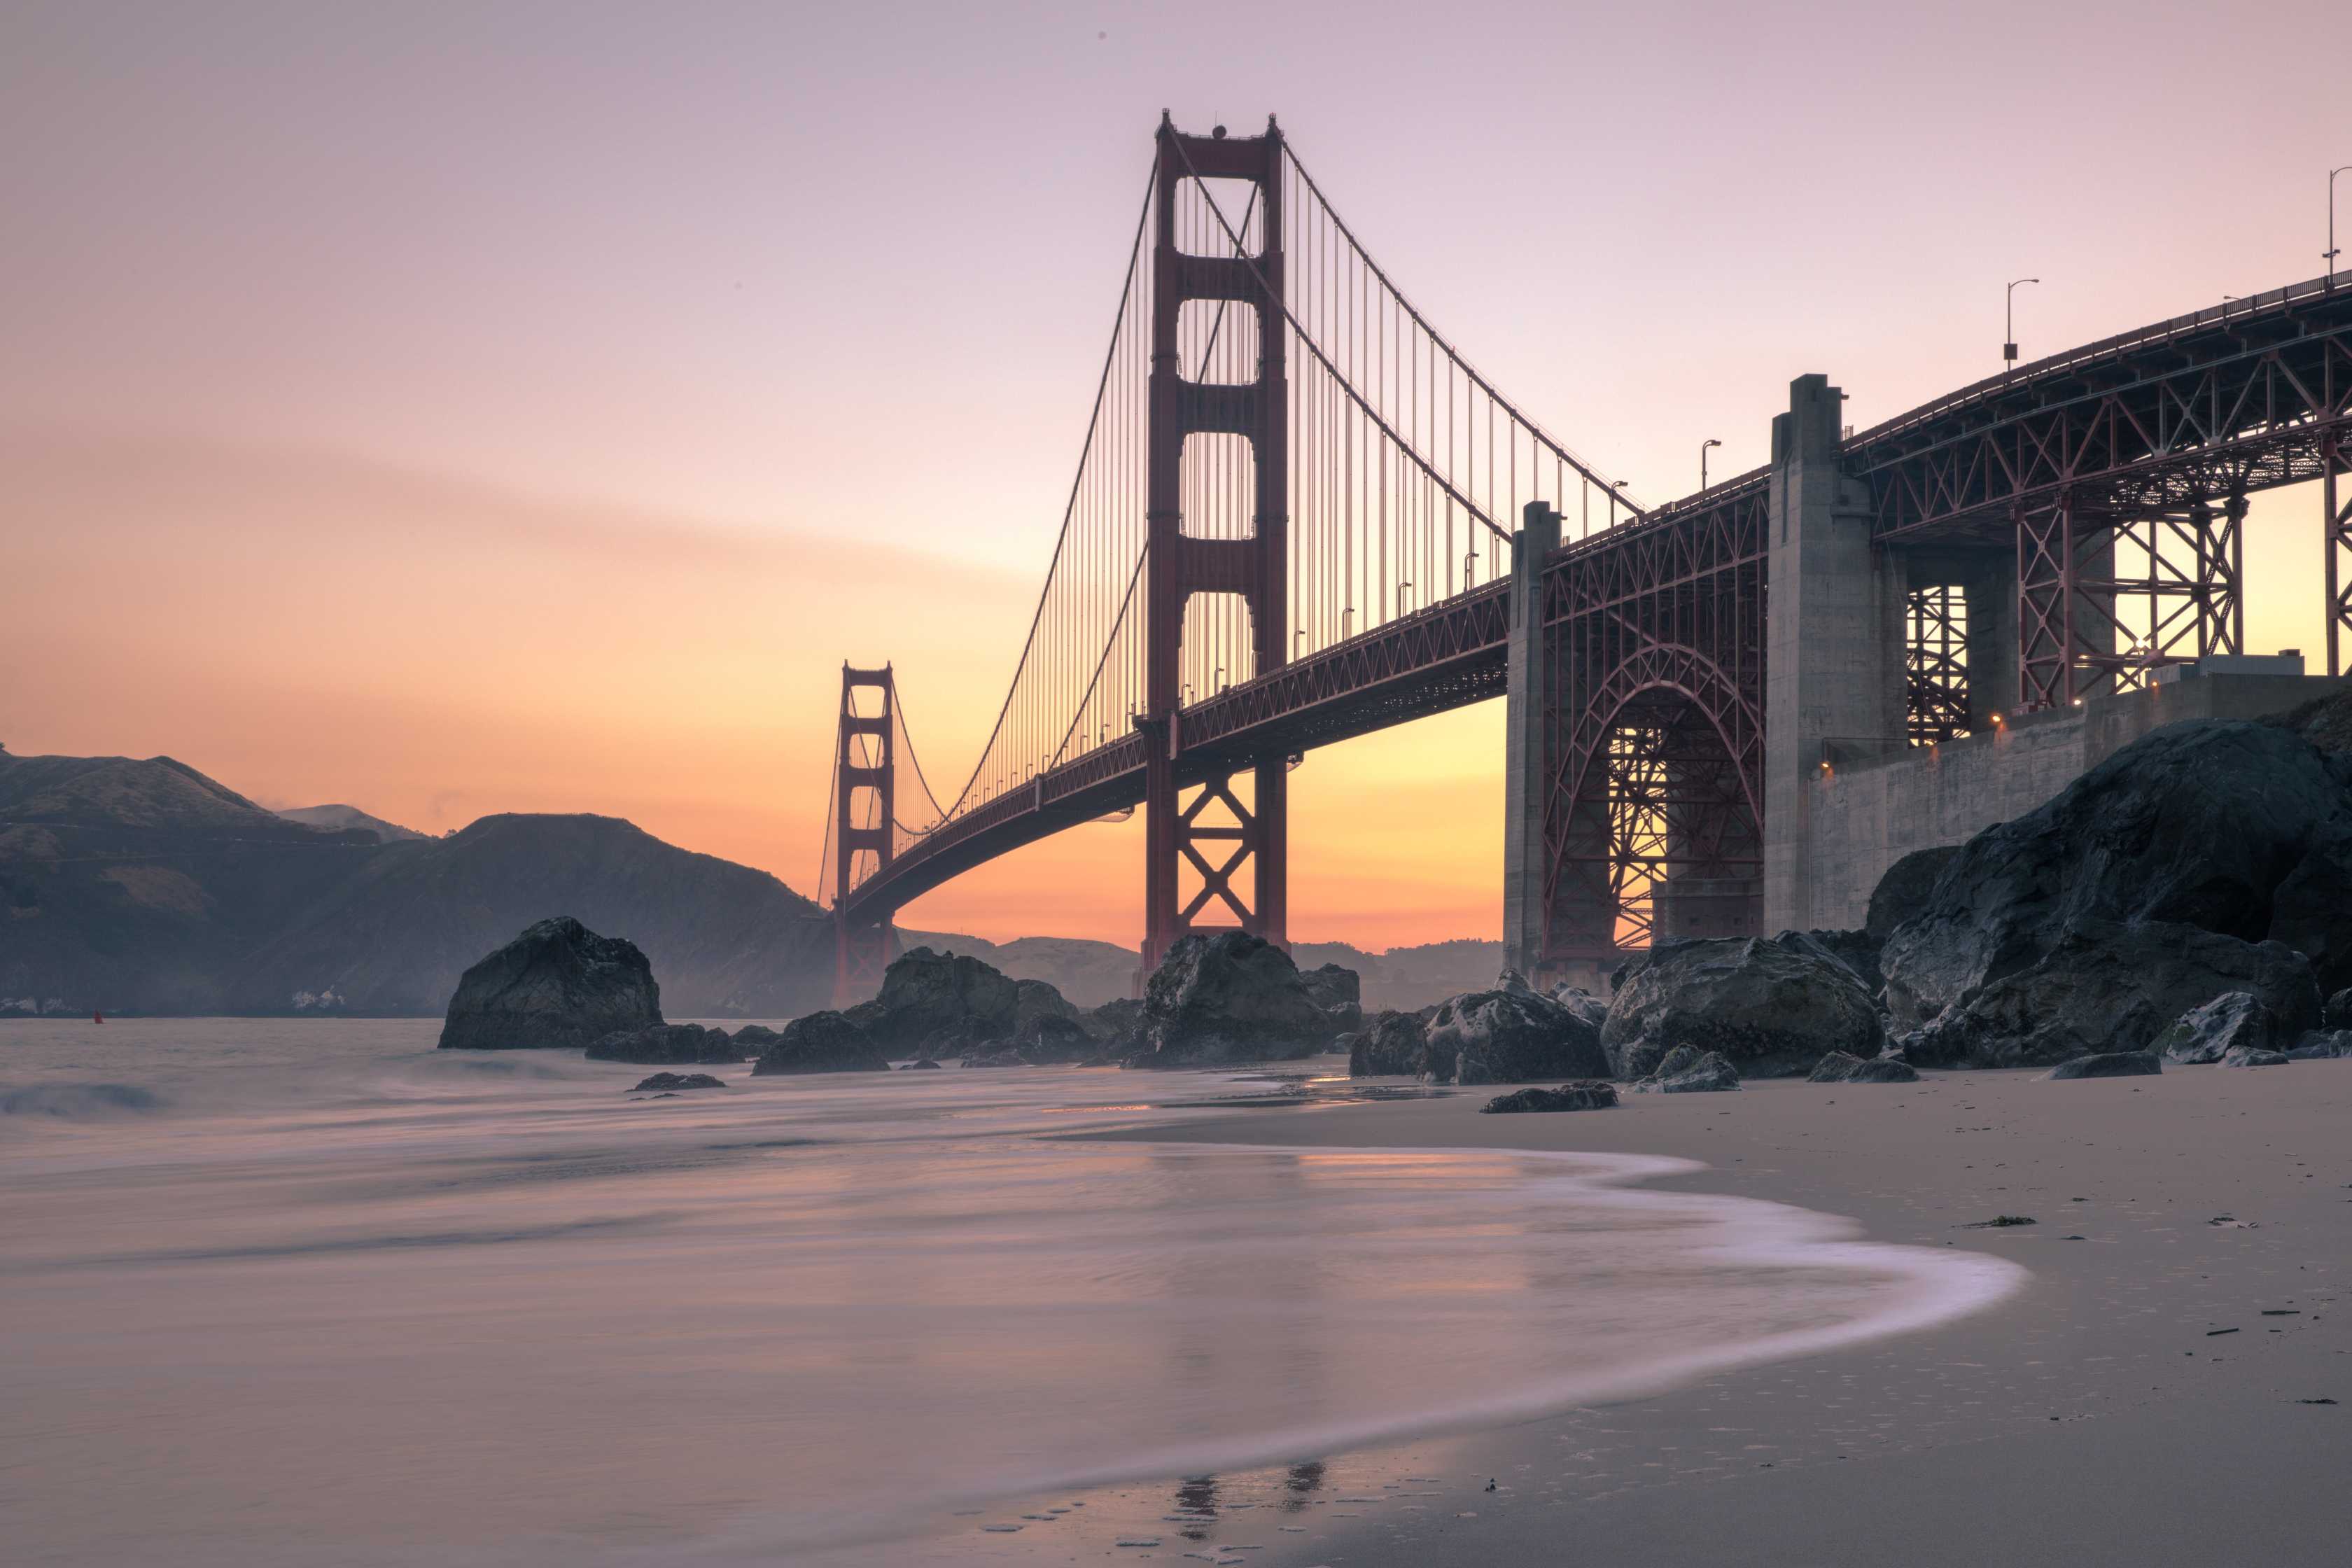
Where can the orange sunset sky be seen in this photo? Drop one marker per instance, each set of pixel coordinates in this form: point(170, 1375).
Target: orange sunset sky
point(457, 409)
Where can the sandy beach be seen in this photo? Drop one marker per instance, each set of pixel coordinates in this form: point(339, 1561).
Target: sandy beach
point(2152, 1395)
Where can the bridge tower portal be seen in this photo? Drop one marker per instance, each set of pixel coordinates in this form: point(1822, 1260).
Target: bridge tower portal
point(1219, 858)
point(865, 798)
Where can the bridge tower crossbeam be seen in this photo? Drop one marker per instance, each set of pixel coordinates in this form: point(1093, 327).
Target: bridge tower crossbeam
point(864, 804)
point(1236, 850)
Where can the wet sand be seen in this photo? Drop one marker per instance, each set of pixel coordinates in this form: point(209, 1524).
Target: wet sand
point(2148, 1396)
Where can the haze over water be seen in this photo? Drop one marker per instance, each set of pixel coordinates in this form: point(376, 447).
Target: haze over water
point(291, 1292)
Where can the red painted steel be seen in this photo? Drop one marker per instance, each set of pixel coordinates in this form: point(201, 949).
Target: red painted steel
point(1237, 854)
point(865, 806)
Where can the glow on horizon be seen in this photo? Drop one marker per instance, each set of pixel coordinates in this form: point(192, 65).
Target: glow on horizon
point(530, 409)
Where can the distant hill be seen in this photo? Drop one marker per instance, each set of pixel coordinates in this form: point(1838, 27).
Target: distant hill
point(1091, 972)
point(144, 887)
point(336, 817)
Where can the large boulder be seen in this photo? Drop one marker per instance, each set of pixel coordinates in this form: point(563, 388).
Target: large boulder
point(2207, 1033)
point(1338, 991)
point(1511, 1036)
point(1595, 1095)
point(1230, 997)
point(559, 985)
point(658, 1043)
point(1594, 1010)
point(1857, 949)
point(821, 1042)
point(1390, 1045)
point(2254, 1057)
point(2103, 986)
point(1686, 1069)
point(1839, 1068)
point(1904, 890)
point(925, 992)
point(2237, 830)
point(1772, 1007)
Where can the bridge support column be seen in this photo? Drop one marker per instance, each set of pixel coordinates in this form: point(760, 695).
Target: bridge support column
point(1234, 849)
point(865, 780)
point(1833, 668)
point(1530, 723)
point(2335, 533)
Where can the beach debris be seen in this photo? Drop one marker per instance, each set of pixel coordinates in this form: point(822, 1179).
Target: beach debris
point(2001, 1221)
point(1490, 1483)
point(2281, 1311)
point(2108, 1064)
point(1001, 1529)
point(1137, 1540)
point(1841, 1066)
point(2315, 1401)
point(1590, 1095)
point(2216, 1333)
point(671, 1082)
point(1686, 1069)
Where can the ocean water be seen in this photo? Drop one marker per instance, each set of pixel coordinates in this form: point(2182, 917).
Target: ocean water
point(282, 1292)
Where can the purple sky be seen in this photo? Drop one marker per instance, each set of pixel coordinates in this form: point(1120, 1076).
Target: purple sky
point(830, 276)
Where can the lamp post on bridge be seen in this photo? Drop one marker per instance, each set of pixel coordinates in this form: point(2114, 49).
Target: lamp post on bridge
point(1703, 446)
point(2329, 257)
point(2009, 325)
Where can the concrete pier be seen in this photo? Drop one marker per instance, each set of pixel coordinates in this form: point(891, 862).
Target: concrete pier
point(1528, 742)
point(1833, 638)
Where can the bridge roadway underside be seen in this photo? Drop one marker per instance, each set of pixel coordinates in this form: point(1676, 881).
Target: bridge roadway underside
point(1447, 657)
point(2012, 495)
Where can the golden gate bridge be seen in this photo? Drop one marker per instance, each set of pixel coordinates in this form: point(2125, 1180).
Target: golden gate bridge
point(1299, 515)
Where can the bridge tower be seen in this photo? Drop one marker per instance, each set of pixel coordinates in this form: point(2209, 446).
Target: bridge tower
point(864, 792)
point(1235, 850)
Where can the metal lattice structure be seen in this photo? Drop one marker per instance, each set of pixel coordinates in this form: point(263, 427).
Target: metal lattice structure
point(1287, 527)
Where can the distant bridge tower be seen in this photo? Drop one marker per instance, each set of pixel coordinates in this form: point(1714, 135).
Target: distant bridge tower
point(864, 792)
point(1235, 848)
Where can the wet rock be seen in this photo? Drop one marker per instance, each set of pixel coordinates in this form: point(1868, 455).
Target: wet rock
point(1838, 1067)
point(1034, 999)
point(753, 1038)
point(1511, 1036)
point(2109, 1064)
point(1003, 1058)
point(924, 992)
point(1686, 1069)
point(1595, 1095)
point(1594, 1010)
point(1904, 891)
point(1230, 997)
point(1772, 1007)
point(2103, 986)
point(1117, 1019)
point(1857, 949)
point(558, 985)
point(2320, 1045)
point(2253, 1056)
point(667, 1043)
point(2233, 1020)
point(2238, 833)
point(1338, 991)
point(671, 1083)
point(1390, 1045)
point(925, 1065)
point(821, 1042)
point(2337, 1013)
point(1053, 1038)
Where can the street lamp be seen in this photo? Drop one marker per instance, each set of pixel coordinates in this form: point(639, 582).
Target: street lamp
point(1703, 446)
point(2330, 256)
point(2008, 319)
